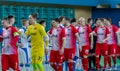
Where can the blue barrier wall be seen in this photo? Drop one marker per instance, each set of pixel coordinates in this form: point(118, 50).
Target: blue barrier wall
point(114, 14)
point(66, 2)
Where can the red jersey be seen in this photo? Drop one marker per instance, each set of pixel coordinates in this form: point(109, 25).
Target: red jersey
point(70, 36)
point(10, 36)
point(84, 32)
point(57, 34)
point(112, 29)
point(101, 33)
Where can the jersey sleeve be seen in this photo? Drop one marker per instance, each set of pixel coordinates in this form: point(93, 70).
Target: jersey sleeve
point(115, 28)
point(107, 31)
point(27, 31)
point(89, 29)
point(74, 30)
point(42, 31)
point(15, 36)
point(63, 35)
point(50, 31)
point(95, 30)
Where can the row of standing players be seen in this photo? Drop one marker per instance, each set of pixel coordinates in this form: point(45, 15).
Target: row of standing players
point(101, 40)
point(63, 40)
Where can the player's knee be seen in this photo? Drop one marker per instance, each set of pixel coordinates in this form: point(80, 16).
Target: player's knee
point(97, 56)
point(51, 63)
point(70, 60)
point(59, 64)
point(84, 56)
point(106, 52)
point(113, 55)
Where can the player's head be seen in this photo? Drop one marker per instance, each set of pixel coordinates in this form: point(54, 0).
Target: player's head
point(62, 20)
point(43, 22)
point(100, 22)
point(81, 21)
point(25, 22)
point(5, 22)
point(67, 21)
point(73, 21)
point(107, 21)
point(55, 22)
point(95, 22)
point(33, 18)
point(89, 21)
point(11, 19)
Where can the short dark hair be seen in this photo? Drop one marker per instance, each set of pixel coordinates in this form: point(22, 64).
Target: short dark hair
point(68, 19)
point(56, 19)
point(88, 20)
point(73, 20)
point(108, 19)
point(61, 18)
point(10, 16)
point(42, 21)
point(23, 21)
point(101, 19)
point(34, 15)
point(95, 20)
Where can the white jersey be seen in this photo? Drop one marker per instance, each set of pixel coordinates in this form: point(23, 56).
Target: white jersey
point(23, 40)
point(118, 37)
point(24, 51)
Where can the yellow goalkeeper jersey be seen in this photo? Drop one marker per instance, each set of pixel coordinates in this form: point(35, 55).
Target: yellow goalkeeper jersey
point(37, 34)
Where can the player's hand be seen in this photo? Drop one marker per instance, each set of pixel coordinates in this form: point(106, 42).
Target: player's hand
point(91, 46)
point(61, 51)
point(9, 46)
point(19, 44)
point(103, 41)
point(106, 52)
point(46, 51)
point(19, 32)
point(80, 48)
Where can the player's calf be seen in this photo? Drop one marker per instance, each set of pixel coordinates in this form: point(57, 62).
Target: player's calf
point(53, 65)
point(70, 65)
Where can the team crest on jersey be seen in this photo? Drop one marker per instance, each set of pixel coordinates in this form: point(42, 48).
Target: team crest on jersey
point(35, 28)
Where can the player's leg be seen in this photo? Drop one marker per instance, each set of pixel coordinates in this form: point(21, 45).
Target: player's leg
point(39, 60)
point(39, 63)
point(109, 56)
point(34, 58)
point(4, 61)
point(40, 66)
point(70, 59)
point(59, 61)
point(118, 52)
point(85, 57)
point(113, 55)
point(97, 52)
point(90, 59)
point(105, 54)
point(53, 60)
point(14, 62)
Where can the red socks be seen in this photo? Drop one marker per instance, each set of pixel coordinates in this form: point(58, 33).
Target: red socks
point(85, 64)
point(97, 63)
point(71, 66)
